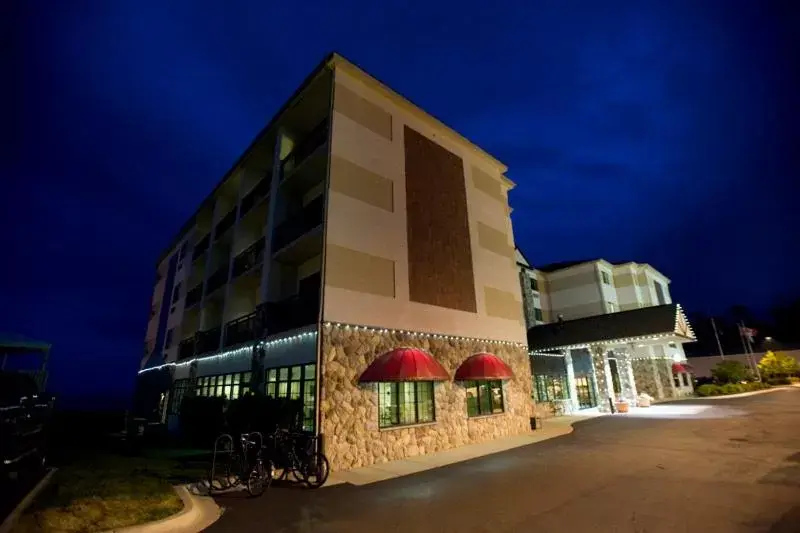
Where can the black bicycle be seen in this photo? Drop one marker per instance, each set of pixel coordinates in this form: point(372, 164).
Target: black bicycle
point(298, 454)
point(243, 465)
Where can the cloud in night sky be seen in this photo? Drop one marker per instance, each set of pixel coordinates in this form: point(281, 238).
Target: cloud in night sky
point(651, 131)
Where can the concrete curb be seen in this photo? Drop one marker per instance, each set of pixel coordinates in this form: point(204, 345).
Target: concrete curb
point(198, 513)
point(726, 396)
point(13, 517)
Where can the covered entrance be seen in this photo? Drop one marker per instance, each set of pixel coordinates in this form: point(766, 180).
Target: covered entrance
point(614, 357)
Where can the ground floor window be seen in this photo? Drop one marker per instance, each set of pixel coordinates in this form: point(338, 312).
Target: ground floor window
point(484, 397)
point(179, 389)
point(615, 383)
point(551, 387)
point(295, 382)
point(229, 386)
point(685, 379)
point(406, 402)
point(585, 390)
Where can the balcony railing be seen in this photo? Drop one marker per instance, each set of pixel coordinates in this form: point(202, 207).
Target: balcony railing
point(316, 138)
point(290, 313)
point(208, 340)
point(250, 258)
point(217, 279)
point(225, 224)
point(298, 225)
point(194, 295)
point(245, 328)
point(201, 247)
point(186, 348)
point(258, 193)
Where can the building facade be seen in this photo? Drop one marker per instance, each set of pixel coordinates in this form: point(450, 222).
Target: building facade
point(359, 256)
point(601, 332)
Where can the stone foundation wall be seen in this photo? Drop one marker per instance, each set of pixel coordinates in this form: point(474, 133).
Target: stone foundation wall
point(349, 410)
point(665, 373)
point(644, 377)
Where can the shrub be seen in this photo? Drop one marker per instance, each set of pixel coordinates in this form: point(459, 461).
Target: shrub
point(202, 419)
point(794, 380)
point(732, 388)
point(778, 364)
point(708, 390)
point(729, 371)
point(782, 380)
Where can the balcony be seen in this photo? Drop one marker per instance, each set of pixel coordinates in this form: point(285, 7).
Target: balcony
point(258, 193)
point(305, 148)
point(294, 238)
point(194, 295)
point(208, 340)
point(201, 247)
point(225, 224)
point(291, 313)
point(249, 259)
point(186, 348)
point(246, 328)
point(217, 279)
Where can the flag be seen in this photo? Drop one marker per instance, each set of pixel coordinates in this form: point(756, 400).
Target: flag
point(748, 333)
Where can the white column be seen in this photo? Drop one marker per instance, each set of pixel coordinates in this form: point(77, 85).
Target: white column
point(573, 390)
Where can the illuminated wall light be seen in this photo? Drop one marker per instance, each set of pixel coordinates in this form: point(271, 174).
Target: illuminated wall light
point(422, 335)
point(241, 351)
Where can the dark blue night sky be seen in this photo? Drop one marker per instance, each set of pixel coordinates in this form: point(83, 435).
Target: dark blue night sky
point(656, 132)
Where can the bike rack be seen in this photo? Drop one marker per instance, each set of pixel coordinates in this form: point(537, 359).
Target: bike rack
point(225, 438)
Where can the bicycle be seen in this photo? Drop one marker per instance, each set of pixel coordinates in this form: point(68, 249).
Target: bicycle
point(245, 465)
point(304, 461)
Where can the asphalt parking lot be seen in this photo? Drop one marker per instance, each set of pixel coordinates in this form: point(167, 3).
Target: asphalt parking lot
point(728, 465)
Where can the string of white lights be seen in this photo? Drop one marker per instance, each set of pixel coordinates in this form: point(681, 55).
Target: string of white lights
point(419, 334)
point(245, 350)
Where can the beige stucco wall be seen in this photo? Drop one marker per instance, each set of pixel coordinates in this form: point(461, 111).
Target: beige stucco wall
point(365, 223)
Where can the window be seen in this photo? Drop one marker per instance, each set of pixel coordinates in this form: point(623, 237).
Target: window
point(534, 284)
point(659, 293)
point(677, 379)
point(685, 379)
point(404, 403)
point(484, 397)
point(612, 307)
point(230, 386)
point(551, 387)
point(296, 382)
point(179, 389)
point(176, 292)
point(168, 339)
point(606, 277)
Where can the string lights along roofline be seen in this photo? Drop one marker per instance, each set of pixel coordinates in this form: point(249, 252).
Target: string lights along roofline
point(421, 334)
point(239, 351)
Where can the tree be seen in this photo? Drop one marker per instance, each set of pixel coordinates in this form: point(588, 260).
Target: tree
point(730, 371)
point(778, 364)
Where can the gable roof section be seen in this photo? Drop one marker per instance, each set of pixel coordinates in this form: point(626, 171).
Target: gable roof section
point(641, 323)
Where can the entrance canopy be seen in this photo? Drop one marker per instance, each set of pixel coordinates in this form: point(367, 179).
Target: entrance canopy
point(662, 323)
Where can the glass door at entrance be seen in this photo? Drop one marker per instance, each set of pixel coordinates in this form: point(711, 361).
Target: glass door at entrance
point(585, 389)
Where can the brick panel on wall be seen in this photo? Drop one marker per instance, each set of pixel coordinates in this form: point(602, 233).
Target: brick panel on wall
point(440, 268)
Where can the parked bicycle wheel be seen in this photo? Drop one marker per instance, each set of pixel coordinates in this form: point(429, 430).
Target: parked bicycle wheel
point(257, 480)
point(315, 470)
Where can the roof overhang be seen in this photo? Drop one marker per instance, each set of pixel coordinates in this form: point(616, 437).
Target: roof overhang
point(648, 325)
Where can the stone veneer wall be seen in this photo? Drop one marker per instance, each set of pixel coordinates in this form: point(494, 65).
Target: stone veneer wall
point(665, 373)
point(644, 377)
point(349, 410)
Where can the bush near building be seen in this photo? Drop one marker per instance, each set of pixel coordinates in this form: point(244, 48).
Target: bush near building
point(730, 371)
point(778, 365)
point(729, 388)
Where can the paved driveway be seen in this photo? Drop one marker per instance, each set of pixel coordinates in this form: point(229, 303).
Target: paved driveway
point(706, 466)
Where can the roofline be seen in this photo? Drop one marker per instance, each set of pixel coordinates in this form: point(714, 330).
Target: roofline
point(529, 265)
point(325, 63)
point(332, 60)
point(339, 60)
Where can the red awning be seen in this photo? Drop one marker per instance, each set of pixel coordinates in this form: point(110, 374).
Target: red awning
point(678, 368)
point(483, 366)
point(404, 364)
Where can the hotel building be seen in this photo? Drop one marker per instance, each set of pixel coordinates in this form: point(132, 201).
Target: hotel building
point(601, 331)
point(360, 256)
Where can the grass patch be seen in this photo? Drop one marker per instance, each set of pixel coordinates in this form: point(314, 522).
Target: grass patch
point(107, 492)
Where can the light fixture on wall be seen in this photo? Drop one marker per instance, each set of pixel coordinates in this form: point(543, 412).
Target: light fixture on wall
point(421, 335)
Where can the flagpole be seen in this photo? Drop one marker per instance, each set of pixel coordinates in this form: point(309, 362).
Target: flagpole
point(716, 336)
